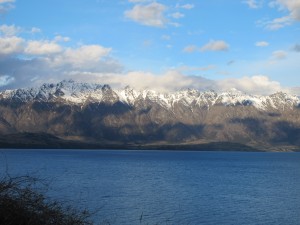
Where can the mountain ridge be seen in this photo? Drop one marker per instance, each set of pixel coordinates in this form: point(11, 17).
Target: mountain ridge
point(80, 93)
point(99, 114)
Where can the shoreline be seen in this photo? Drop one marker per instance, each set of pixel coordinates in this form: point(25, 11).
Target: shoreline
point(47, 141)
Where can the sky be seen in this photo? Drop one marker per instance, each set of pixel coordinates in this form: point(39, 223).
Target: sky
point(165, 45)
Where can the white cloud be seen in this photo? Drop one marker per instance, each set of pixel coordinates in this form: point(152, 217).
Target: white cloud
point(11, 45)
point(212, 45)
point(293, 6)
point(190, 49)
point(150, 15)
point(32, 62)
point(278, 23)
point(170, 81)
point(12, 30)
point(35, 30)
point(61, 39)
point(175, 80)
point(31, 70)
point(86, 56)
point(9, 31)
point(89, 64)
point(42, 48)
point(261, 44)
point(253, 4)
point(278, 55)
point(261, 85)
point(186, 6)
point(6, 80)
point(87, 52)
point(6, 5)
point(295, 91)
point(177, 15)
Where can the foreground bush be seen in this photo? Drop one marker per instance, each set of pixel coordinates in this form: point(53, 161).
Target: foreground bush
point(21, 203)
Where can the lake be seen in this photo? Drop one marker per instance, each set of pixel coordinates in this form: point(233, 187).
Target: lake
point(168, 187)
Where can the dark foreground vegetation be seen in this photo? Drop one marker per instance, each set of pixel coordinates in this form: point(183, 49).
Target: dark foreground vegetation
point(22, 202)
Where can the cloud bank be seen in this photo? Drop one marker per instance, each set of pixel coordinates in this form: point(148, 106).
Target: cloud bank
point(259, 84)
point(26, 63)
point(174, 80)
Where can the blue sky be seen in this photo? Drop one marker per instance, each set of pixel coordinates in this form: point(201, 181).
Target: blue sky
point(251, 45)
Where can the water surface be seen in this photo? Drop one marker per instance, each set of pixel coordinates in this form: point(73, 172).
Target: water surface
point(169, 187)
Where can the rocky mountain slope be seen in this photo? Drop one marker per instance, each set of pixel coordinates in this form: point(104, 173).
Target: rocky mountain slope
point(94, 113)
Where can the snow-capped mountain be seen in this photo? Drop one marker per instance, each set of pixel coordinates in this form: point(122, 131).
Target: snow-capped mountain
point(98, 113)
point(82, 93)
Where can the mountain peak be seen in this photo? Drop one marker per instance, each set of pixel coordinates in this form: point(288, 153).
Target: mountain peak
point(79, 93)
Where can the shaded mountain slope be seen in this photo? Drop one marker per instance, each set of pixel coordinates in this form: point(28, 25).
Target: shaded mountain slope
point(98, 115)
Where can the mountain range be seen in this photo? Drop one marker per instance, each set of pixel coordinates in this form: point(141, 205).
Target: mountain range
point(84, 115)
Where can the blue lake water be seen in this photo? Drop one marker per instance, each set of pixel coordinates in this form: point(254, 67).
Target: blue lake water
point(169, 187)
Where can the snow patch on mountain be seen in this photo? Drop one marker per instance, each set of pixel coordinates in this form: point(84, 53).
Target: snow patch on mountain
point(81, 93)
